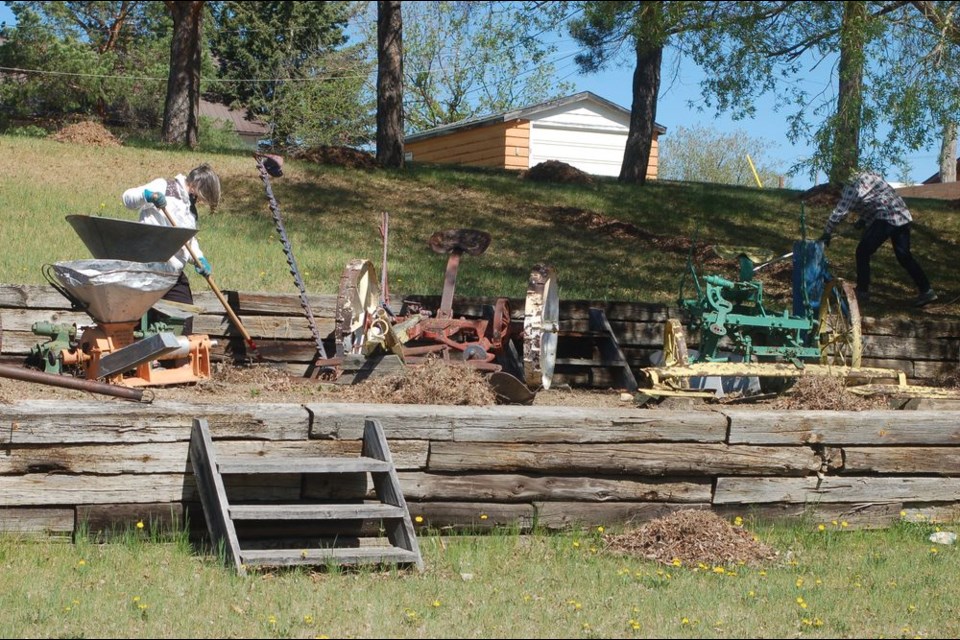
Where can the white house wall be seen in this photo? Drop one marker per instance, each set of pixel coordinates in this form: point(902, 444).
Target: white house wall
point(584, 135)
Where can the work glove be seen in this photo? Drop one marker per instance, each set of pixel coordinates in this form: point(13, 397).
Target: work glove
point(156, 198)
point(860, 224)
point(825, 239)
point(204, 268)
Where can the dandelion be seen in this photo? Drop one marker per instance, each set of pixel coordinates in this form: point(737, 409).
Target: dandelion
point(738, 521)
point(600, 529)
point(933, 550)
point(676, 562)
point(719, 570)
point(272, 619)
point(82, 563)
point(684, 621)
point(436, 603)
point(751, 593)
point(483, 516)
point(576, 544)
point(634, 624)
point(418, 519)
point(799, 582)
point(844, 524)
point(821, 527)
point(140, 524)
point(903, 514)
point(307, 619)
point(763, 574)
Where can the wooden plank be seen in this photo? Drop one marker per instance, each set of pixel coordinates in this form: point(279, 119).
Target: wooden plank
point(509, 487)
point(89, 421)
point(387, 487)
point(42, 522)
point(40, 489)
point(103, 459)
point(658, 459)
point(471, 516)
point(932, 404)
point(24, 319)
point(589, 515)
point(518, 423)
point(407, 454)
point(278, 464)
point(844, 427)
point(287, 304)
point(264, 327)
point(918, 348)
point(32, 295)
point(312, 557)
point(213, 494)
point(740, 490)
point(364, 511)
point(865, 515)
point(912, 460)
point(107, 520)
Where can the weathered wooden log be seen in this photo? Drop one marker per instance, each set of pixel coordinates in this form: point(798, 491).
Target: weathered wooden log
point(844, 427)
point(654, 459)
point(910, 460)
point(53, 523)
point(589, 515)
point(737, 490)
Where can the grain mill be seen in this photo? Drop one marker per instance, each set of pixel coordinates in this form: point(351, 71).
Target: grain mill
point(128, 275)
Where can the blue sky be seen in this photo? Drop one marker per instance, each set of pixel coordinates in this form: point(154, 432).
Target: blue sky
point(679, 88)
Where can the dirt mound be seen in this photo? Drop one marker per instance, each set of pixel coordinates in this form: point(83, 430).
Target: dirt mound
point(826, 393)
point(556, 171)
point(338, 157)
point(692, 537)
point(434, 382)
point(89, 133)
point(821, 195)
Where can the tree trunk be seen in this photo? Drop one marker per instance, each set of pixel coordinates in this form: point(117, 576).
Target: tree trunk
point(643, 114)
point(948, 153)
point(181, 110)
point(389, 84)
point(845, 153)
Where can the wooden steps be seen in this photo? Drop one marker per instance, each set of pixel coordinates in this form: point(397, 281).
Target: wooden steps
point(342, 547)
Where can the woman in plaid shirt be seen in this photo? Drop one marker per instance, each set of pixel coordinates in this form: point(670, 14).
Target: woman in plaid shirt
point(882, 214)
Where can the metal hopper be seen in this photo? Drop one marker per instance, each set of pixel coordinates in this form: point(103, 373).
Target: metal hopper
point(114, 239)
point(115, 291)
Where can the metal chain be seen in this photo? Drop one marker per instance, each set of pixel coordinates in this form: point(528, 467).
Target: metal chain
point(291, 261)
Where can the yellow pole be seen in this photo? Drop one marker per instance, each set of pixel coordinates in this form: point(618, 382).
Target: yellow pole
point(754, 169)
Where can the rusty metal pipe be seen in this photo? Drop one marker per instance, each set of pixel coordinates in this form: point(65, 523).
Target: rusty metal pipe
point(52, 379)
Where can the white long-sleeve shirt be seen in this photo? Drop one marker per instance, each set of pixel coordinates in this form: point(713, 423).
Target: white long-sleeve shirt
point(178, 206)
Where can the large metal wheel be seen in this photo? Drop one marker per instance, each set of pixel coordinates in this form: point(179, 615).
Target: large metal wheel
point(357, 299)
point(839, 333)
point(541, 324)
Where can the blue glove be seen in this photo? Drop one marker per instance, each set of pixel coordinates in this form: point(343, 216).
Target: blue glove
point(204, 268)
point(156, 198)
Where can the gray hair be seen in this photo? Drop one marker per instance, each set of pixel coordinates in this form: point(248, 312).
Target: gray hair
point(206, 184)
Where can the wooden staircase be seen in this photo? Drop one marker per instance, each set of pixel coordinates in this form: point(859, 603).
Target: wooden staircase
point(329, 526)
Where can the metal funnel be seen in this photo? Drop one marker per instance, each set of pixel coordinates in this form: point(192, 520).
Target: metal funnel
point(116, 290)
point(114, 239)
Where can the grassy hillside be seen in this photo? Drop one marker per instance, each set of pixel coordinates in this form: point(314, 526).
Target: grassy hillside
point(607, 240)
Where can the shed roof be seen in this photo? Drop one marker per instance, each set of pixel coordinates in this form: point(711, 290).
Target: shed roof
point(241, 123)
point(523, 113)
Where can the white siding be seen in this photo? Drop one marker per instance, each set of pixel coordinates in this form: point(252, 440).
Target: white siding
point(585, 136)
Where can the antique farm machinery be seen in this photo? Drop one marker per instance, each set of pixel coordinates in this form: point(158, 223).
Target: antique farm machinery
point(128, 275)
point(365, 325)
point(740, 337)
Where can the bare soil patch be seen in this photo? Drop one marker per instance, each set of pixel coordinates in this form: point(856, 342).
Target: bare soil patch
point(691, 538)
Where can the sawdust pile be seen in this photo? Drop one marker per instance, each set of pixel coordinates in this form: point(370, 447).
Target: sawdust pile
point(338, 157)
point(556, 171)
point(825, 393)
point(434, 382)
point(270, 381)
point(87, 133)
point(692, 537)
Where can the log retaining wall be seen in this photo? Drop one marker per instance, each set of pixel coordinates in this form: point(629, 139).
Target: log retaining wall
point(106, 464)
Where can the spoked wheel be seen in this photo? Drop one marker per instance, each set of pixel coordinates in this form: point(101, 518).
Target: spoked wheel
point(357, 300)
point(840, 338)
point(541, 324)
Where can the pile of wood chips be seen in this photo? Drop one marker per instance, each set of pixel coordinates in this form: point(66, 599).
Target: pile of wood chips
point(813, 393)
point(337, 156)
point(692, 537)
point(433, 382)
point(87, 133)
point(556, 171)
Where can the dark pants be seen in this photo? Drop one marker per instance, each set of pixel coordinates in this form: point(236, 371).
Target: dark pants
point(873, 238)
point(179, 292)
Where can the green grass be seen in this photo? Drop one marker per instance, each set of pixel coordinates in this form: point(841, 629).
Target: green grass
point(825, 584)
point(332, 215)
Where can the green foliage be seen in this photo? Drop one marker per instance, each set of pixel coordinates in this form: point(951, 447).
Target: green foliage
point(218, 136)
point(286, 62)
point(467, 59)
point(703, 154)
point(29, 131)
